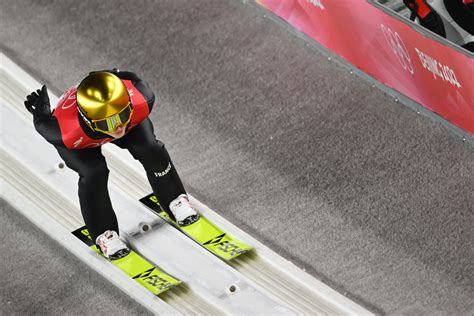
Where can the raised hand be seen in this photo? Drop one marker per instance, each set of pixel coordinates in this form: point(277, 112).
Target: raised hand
point(37, 102)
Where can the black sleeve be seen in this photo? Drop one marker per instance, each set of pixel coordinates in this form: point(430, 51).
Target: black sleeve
point(434, 23)
point(48, 127)
point(147, 93)
point(141, 85)
point(461, 14)
point(469, 46)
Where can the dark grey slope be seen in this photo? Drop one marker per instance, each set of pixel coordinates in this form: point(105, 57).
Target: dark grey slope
point(38, 276)
point(328, 171)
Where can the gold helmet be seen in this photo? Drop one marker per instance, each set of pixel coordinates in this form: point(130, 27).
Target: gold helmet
point(103, 101)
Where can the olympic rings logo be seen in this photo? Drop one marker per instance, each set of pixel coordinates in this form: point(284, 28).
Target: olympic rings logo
point(78, 142)
point(93, 145)
point(398, 48)
point(69, 99)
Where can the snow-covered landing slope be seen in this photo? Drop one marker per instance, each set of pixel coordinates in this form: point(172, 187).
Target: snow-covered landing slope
point(33, 182)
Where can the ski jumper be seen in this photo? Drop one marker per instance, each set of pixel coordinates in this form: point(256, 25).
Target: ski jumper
point(80, 148)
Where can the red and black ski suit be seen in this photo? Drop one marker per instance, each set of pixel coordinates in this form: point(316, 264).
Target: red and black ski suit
point(80, 148)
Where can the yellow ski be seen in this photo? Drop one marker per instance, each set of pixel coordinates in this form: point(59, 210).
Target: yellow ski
point(136, 267)
point(204, 232)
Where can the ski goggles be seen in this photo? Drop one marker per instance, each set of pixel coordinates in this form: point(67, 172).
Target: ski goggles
point(110, 124)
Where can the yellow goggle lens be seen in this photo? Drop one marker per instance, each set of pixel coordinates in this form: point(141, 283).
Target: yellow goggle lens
point(110, 124)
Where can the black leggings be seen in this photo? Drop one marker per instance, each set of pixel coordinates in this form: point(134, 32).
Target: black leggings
point(90, 164)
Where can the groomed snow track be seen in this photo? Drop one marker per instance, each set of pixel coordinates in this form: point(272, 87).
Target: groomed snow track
point(33, 181)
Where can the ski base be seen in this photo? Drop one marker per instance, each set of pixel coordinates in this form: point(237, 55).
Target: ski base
point(204, 232)
point(136, 267)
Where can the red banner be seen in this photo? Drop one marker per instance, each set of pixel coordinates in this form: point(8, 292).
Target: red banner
point(396, 54)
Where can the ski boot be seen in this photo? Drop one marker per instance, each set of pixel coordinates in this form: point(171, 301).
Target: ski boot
point(111, 246)
point(183, 211)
